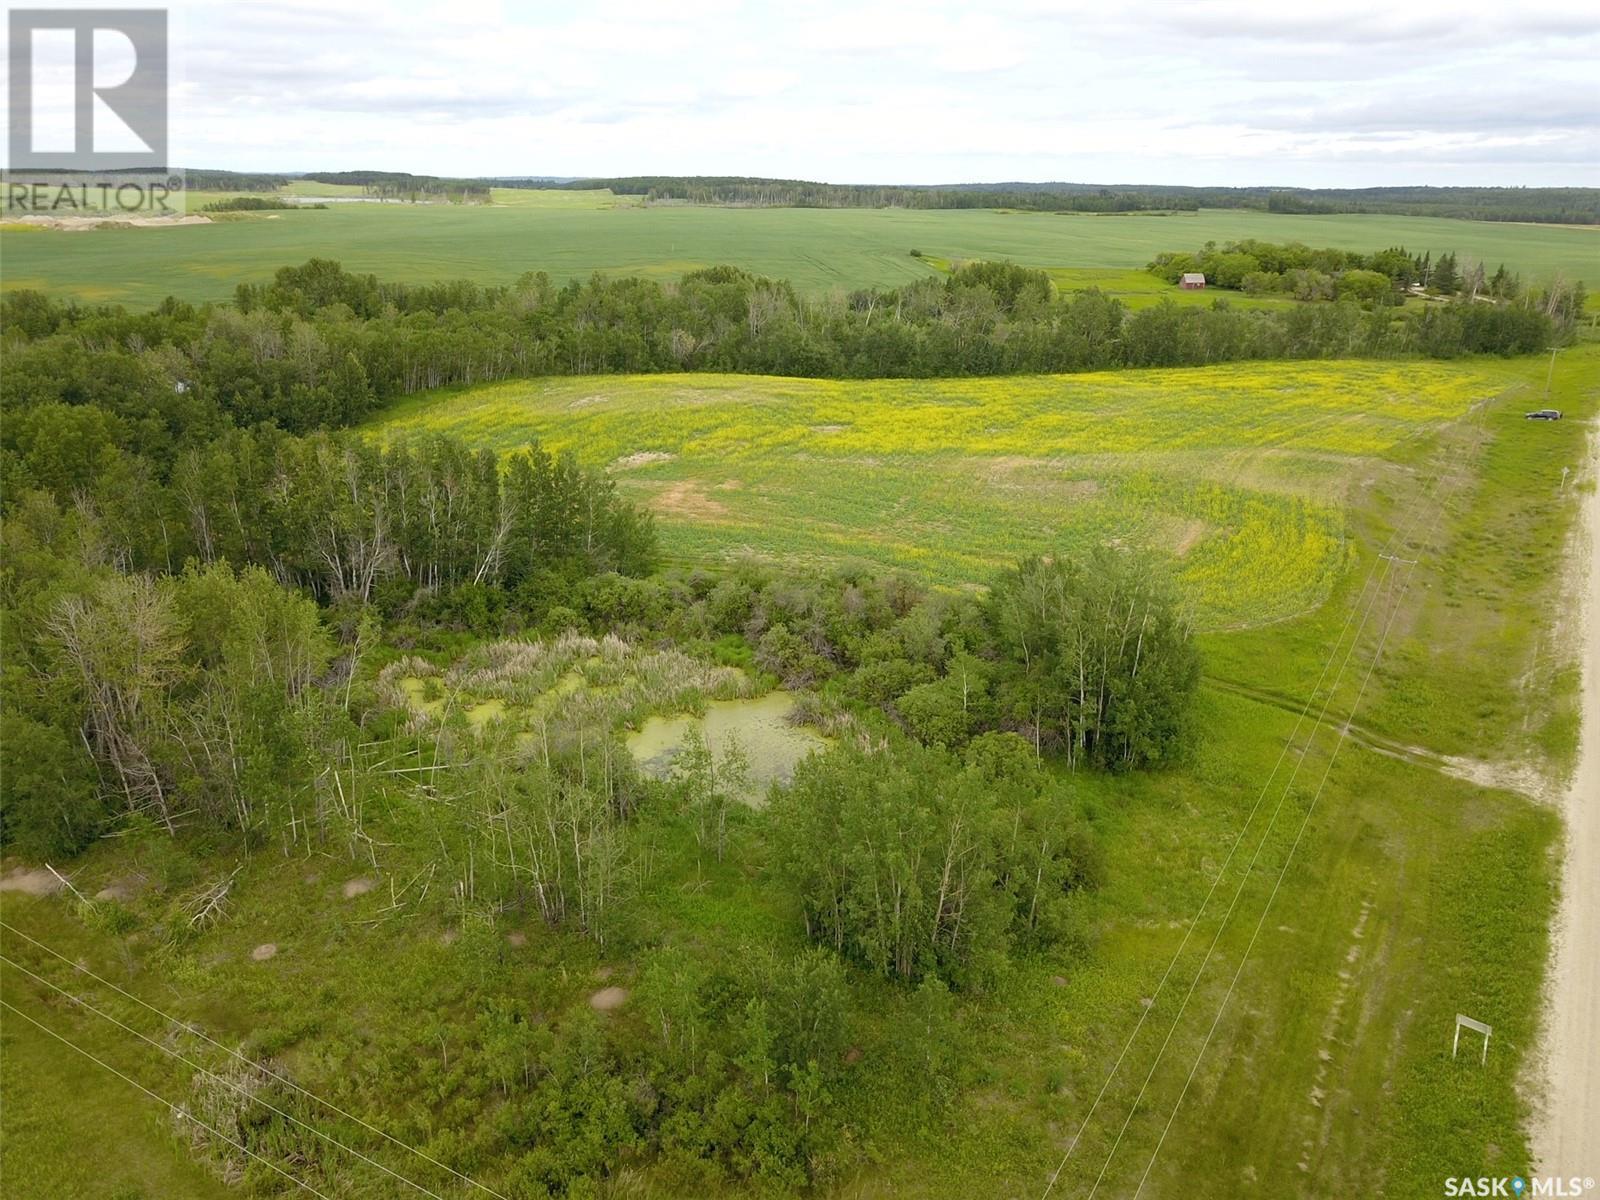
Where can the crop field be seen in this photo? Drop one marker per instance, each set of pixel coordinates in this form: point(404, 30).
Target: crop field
point(313, 189)
point(1239, 471)
point(552, 198)
point(574, 234)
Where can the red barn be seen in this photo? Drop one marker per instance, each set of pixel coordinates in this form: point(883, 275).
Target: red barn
point(1193, 281)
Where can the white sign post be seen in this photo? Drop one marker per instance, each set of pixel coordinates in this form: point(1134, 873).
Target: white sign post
point(1476, 1027)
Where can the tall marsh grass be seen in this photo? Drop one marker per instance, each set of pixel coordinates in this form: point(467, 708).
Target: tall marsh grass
point(568, 683)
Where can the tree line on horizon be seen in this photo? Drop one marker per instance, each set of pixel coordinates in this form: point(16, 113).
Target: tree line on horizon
point(1385, 276)
point(320, 347)
point(738, 191)
point(1567, 206)
point(1540, 205)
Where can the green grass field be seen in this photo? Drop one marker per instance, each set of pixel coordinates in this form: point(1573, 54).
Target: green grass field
point(817, 249)
point(77, 1132)
point(562, 199)
point(1411, 894)
point(1241, 471)
point(310, 188)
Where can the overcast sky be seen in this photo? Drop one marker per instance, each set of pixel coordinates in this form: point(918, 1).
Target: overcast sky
point(1207, 92)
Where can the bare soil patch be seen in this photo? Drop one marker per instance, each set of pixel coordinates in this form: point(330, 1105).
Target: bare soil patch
point(643, 458)
point(81, 223)
point(34, 881)
point(122, 889)
point(264, 951)
point(1507, 776)
point(1189, 537)
point(688, 499)
point(1042, 475)
point(358, 887)
point(608, 998)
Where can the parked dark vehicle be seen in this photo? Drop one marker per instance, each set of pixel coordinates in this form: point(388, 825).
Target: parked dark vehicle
point(1544, 414)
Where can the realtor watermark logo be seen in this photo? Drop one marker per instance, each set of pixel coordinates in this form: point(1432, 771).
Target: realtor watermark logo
point(88, 112)
point(1515, 1186)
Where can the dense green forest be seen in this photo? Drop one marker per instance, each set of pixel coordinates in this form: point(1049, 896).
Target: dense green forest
point(321, 347)
point(200, 179)
point(1563, 206)
point(267, 203)
point(389, 185)
point(202, 574)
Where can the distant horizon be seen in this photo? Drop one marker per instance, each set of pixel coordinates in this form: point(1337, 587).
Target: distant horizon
point(550, 177)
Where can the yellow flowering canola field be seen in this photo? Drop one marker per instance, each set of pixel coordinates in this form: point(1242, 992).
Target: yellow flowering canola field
point(1240, 472)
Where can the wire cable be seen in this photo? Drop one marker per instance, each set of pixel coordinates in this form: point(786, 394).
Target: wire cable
point(332, 1141)
point(1260, 924)
point(283, 1079)
point(1362, 603)
point(1344, 728)
point(182, 1114)
point(1384, 555)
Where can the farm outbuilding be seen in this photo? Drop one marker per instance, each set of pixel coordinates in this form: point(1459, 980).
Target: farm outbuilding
point(1193, 281)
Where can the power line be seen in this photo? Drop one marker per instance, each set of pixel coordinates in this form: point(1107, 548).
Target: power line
point(1304, 821)
point(1383, 556)
point(283, 1079)
point(220, 1079)
point(1144, 1015)
point(1362, 604)
point(1344, 728)
point(1238, 893)
point(182, 1113)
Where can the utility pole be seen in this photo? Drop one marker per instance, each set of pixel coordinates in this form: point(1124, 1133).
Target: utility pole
point(1550, 374)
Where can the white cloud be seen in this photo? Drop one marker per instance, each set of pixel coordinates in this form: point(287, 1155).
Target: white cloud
point(1203, 91)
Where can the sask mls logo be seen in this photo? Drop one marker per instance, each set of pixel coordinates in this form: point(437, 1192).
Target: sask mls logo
point(88, 89)
point(1516, 1186)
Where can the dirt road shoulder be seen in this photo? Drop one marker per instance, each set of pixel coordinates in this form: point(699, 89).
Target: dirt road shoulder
point(1566, 1135)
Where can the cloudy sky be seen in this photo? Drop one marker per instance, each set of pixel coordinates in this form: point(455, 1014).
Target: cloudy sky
point(1205, 91)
